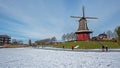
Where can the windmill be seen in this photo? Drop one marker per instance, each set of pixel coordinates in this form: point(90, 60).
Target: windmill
point(83, 31)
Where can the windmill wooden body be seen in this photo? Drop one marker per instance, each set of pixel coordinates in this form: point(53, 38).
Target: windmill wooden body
point(83, 32)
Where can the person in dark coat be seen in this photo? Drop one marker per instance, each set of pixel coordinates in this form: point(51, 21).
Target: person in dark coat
point(63, 47)
point(72, 47)
point(106, 48)
point(103, 47)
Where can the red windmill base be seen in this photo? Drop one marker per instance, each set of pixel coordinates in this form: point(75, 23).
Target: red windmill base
point(84, 35)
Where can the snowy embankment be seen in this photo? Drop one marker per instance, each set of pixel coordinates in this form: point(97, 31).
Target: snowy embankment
point(38, 58)
point(77, 50)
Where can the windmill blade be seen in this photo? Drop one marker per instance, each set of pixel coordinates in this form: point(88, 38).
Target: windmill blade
point(75, 17)
point(91, 18)
point(83, 11)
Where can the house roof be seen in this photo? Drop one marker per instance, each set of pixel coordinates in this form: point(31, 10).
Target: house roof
point(103, 34)
point(5, 36)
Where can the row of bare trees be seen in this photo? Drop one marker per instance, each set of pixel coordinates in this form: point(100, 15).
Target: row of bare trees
point(112, 34)
point(46, 41)
point(69, 36)
point(17, 42)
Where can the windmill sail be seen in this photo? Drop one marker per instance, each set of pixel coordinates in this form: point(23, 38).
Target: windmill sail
point(75, 17)
point(83, 12)
point(91, 18)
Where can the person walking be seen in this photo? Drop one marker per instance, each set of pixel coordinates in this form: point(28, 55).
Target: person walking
point(106, 49)
point(72, 47)
point(103, 47)
point(63, 47)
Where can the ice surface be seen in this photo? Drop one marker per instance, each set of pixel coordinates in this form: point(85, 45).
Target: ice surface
point(38, 58)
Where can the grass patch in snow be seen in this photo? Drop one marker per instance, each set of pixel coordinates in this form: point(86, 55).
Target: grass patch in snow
point(88, 44)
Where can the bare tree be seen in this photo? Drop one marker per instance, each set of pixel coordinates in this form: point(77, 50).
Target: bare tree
point(64, 37)
point(115, 36)
point(110, 34)
point(67, 37)
point(53, 38)
point(118, 32)
point(73, 36)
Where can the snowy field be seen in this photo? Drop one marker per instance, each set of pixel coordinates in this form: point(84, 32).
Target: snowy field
point(38, 58)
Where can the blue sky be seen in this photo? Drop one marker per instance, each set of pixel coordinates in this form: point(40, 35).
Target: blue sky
point(39, 19)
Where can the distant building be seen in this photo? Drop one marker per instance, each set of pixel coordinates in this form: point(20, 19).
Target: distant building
point(102, 36)
point(29, 42)
point(5, 39)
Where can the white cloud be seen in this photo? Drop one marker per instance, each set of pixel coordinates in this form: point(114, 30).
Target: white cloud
point(33, 26)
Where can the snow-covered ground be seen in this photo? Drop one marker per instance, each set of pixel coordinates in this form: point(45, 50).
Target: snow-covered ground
point(38, 58)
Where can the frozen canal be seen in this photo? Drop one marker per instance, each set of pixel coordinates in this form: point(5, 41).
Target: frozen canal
point(37, 58)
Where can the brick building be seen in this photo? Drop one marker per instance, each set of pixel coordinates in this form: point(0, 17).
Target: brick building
point(5, 39)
